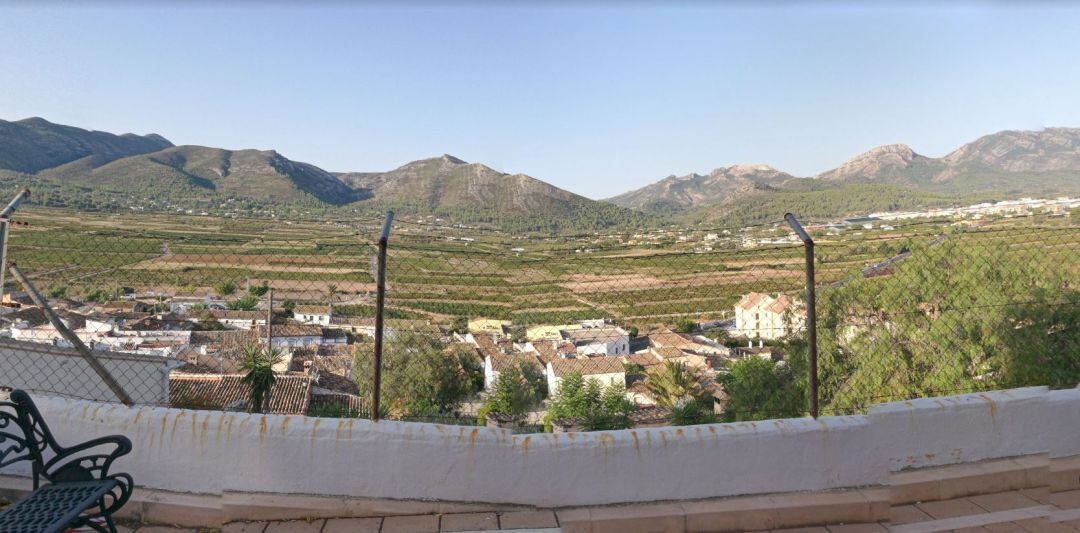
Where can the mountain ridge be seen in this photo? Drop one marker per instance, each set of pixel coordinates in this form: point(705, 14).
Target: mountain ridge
point(94, 169)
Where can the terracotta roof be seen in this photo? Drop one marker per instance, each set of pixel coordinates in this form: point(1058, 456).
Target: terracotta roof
point(750, 300)
point(669, 352)
point(587, 367)
point(229, 314)
point(290, 330)
point(290, 395)
point(311, 310)
point(607, 334)
point(352, 403)
point(779, 305)
point(500, 362)
point(670, 339)
point(642, 358)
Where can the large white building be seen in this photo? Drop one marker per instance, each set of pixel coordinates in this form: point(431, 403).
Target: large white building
point(764, 316)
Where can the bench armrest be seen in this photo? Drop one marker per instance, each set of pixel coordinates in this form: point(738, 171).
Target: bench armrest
point(73, 464)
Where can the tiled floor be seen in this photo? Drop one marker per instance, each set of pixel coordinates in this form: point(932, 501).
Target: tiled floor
point(1025, 511)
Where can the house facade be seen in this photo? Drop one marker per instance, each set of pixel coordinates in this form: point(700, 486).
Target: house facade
point(764, 316)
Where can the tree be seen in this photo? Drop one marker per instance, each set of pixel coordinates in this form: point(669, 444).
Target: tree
point(421, 376)
point(633, 331)
point(511, 394)
point(672, 383)
point(258, 369)
point(676, 388)
point(759, 389)
point(208, 322)
point(598, 407)
point(460, 325)
point(259, 290)
point(225, 288)
point(58, 291)
point(685, 326)
point(247, 303)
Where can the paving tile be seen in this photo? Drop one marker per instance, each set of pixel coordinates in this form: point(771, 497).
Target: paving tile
point(1001, 501)
point(427, 523)
point(658, 518)
point(815, 529)
point(527, 519)
point(244, 527)
point(352, 525)
point(1039, 494)
point(950, 508)
point(870, 527)
point(907, 514)
point(1042, 525)
point(1006, 527)
point(469, 522)
point(1065, 500)
point(971, 530)
point(295, 526)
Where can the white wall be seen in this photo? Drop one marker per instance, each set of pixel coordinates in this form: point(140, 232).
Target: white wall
point(208, 452)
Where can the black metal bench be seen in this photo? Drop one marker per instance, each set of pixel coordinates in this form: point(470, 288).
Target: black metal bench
point(79, 490)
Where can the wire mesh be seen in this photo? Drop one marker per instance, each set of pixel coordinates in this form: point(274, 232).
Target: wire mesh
point(538, 332)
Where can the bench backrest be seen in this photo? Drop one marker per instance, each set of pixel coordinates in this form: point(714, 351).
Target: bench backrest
point(24, 436)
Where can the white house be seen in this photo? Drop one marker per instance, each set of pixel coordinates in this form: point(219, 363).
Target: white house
point(313, 314)
point(495, 364)
point(600, 341)
point(239, 319)
point(764, 316)
point(606, 370)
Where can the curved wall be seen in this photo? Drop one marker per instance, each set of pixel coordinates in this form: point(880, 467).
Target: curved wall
point(211, 452)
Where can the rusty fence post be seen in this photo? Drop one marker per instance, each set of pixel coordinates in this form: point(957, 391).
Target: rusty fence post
point(71, 337)
point(380, 303)
point(811, 310)
point(5, 227)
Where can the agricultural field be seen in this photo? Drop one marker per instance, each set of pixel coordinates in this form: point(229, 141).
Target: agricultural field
point(438, 273)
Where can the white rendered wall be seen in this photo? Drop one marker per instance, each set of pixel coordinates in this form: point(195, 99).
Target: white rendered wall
point(211, 452)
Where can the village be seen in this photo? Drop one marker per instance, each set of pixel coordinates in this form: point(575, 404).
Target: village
point(189, 351)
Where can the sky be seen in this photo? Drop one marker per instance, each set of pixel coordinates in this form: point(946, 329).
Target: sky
point(598, 98)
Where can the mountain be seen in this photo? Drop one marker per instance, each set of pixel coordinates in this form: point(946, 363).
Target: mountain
point(474, 192)
point(35, 144)
point(72, 167)
point(1003, 164)
point(77, 168)
point(264, 176)
point(675, 193)
point(880, 164)
point(1008, 162)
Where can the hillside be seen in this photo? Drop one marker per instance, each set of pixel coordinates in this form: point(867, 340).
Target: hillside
point(676, 193)
point(264, 176)
point(35, 144)
point(472, 192)
point(1003, 164)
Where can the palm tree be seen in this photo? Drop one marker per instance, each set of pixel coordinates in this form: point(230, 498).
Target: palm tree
point(673, 384)
point(258, 369)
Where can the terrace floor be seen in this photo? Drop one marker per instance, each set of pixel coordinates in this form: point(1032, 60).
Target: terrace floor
point(1020, 511)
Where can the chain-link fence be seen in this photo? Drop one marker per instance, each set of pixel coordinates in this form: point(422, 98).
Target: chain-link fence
point(586, 331)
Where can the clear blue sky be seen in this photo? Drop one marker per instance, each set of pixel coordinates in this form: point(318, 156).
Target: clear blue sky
point(596, 99)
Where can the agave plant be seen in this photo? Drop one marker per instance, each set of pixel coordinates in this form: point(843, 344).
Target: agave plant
point(258, 369)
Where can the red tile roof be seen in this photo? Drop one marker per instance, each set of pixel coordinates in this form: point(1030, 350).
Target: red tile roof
point(290, 395)
point(587, 366)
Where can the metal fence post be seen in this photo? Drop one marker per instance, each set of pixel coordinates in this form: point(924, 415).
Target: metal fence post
point(71, 337)
point(380, 302)
point(5, 223)
point(811, 310)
